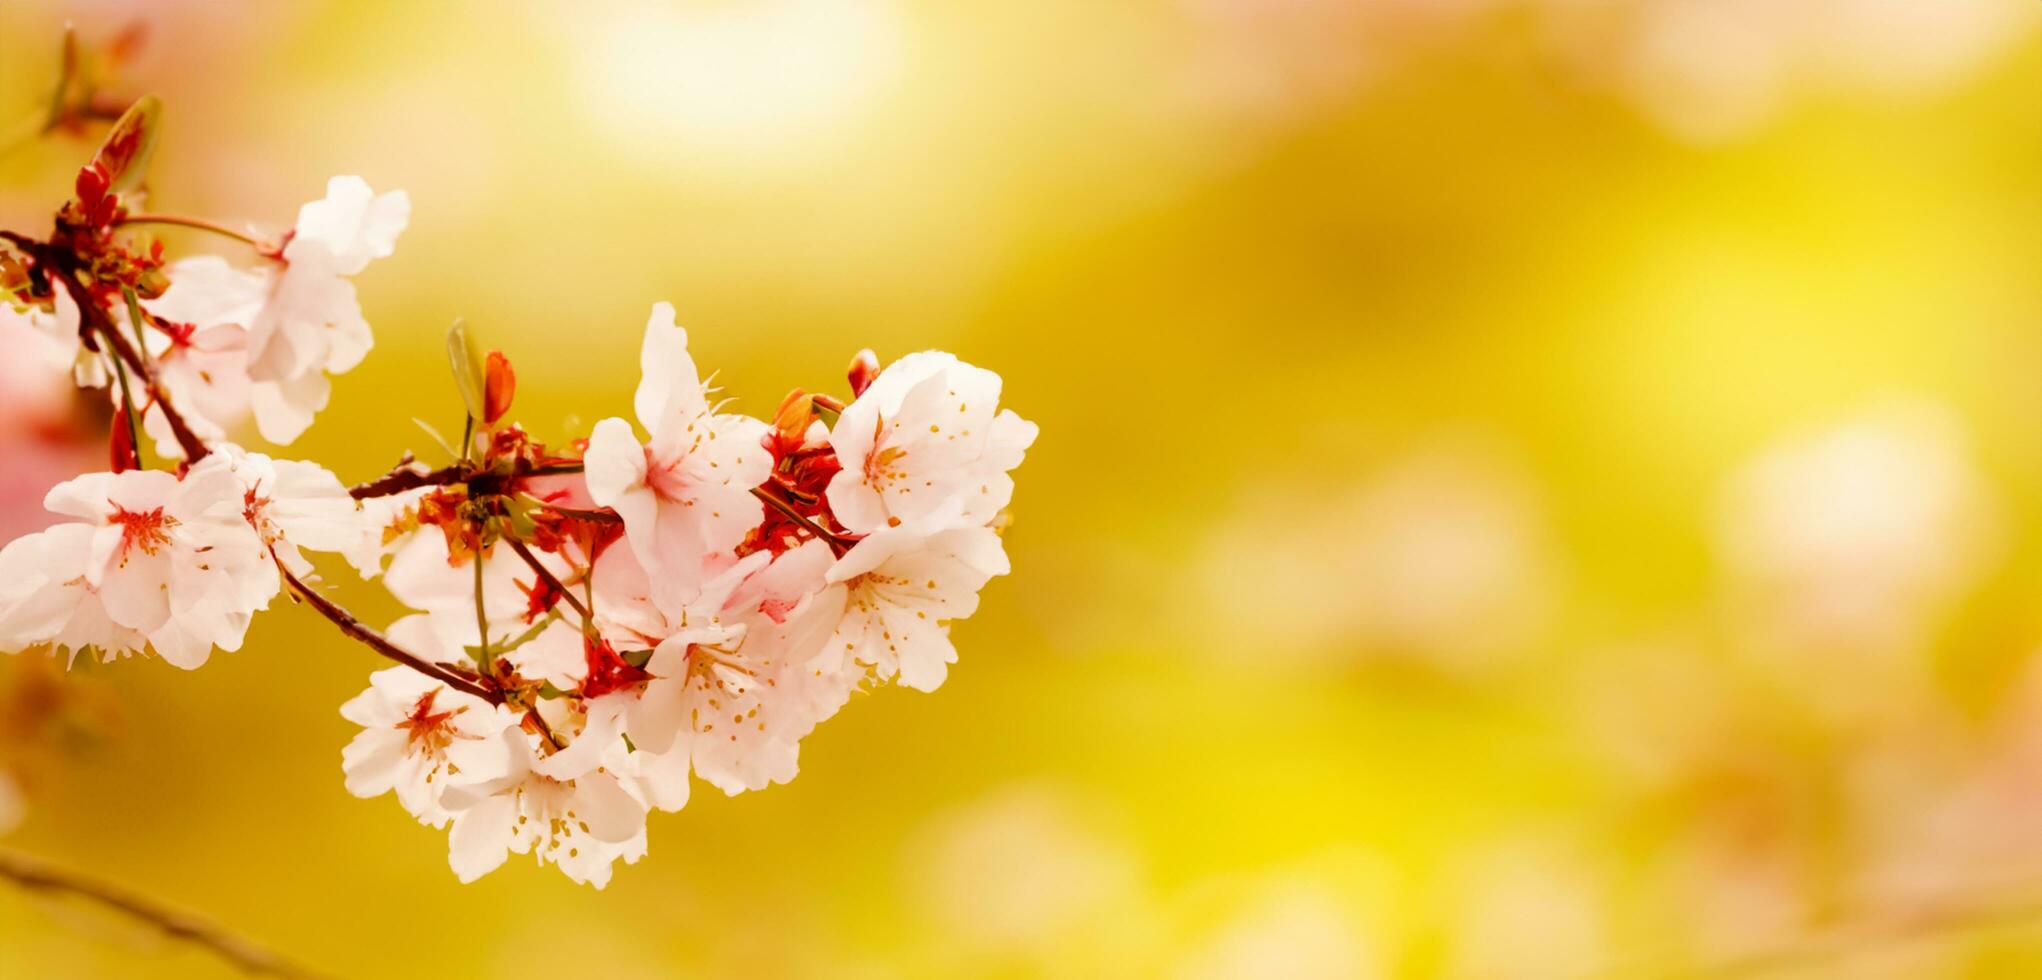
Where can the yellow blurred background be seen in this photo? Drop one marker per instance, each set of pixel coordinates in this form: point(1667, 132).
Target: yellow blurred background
point(1527, 488)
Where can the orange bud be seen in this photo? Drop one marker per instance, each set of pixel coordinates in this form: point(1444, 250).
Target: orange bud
point(499, 384)
point(864, 368)
point(794, 415)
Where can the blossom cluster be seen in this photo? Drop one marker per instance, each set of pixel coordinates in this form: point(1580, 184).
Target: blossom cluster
point(593, 626)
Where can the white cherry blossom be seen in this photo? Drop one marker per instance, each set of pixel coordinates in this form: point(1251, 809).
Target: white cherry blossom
point(58, 346)
point(732, 689)
point(33, 377)
point(686, 492)
point(899, 589)
point(409, 722)
point(45, 599)
point(572, 809)
point(203, 363)
point(151, 557)
point(312, 322)
point(927, 436)
point(296, 506)
point(300, 322)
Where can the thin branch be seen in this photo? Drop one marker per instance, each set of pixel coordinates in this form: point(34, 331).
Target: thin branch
point(244, 954)
point(592, 516)
point(545, 576)
point(405, 478)
point(554, 742)
point(376, 641)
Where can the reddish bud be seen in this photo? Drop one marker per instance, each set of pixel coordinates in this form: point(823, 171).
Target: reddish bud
point(864, 368)
point(121, 445)
point(95, 202)
point(499, 384)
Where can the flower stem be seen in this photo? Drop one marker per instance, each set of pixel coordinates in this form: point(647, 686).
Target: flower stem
point(244, 954)
point(481, 615)
point(187, 222)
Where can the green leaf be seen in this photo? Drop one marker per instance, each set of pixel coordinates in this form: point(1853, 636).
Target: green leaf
point(67, 70)
point(435, 433)
point(466, 361)
point(128, 146)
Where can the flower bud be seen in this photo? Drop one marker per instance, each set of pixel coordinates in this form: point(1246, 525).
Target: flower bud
point(121, 445)
point(499, 384)
point(793, 416)
point(124, 157)
point(864, 368)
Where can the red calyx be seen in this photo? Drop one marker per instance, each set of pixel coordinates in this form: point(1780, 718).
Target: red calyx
point(607, 672)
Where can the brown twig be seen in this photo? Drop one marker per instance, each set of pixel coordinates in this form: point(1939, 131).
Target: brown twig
point(248, 956)
point(2012, 901)
point(554, 743)
point(404, 477)
point(593, 516)
point(836, 542)
point(356, 629)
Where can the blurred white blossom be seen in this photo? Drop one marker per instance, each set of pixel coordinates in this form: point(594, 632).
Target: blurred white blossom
point(1712, 70)
point(1442, 557)
point(1527, 909)
point(1020, 870)
point(1857, 537)
point(1294, 928)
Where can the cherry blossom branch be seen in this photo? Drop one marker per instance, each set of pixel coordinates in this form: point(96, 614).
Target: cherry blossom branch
point(188, 222)
point(594, 516)
point(97, 320)
point(407, 477)
point(358, 630)
point(547, 577)
point(244, 954)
